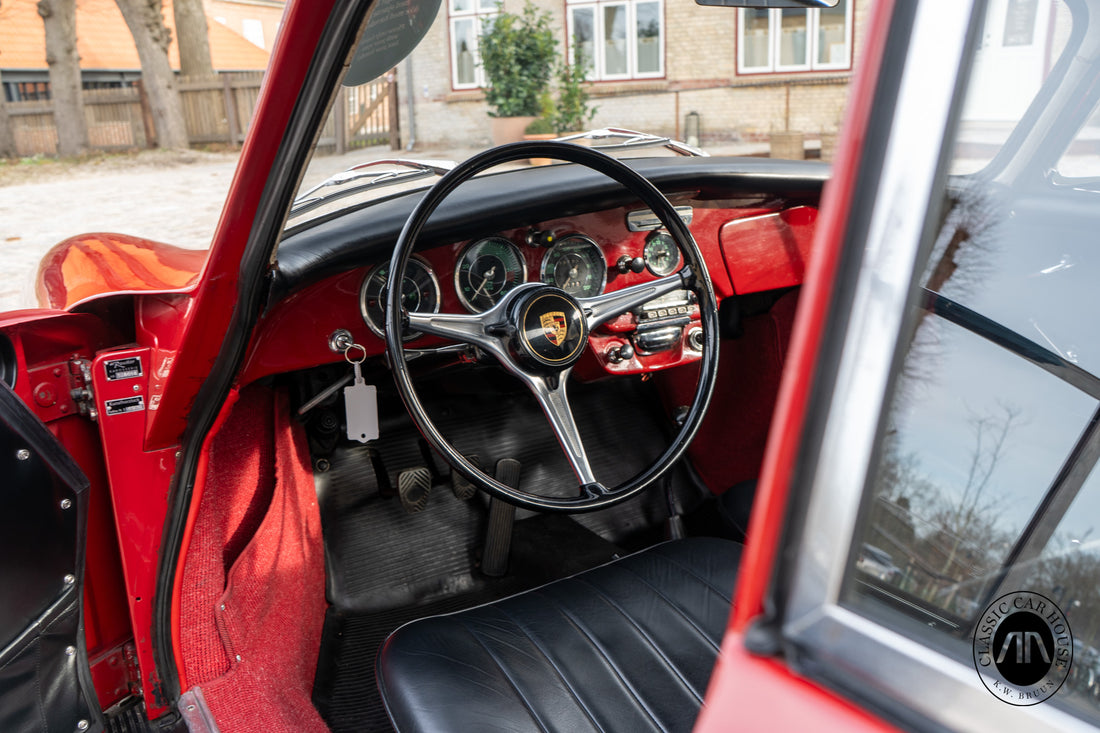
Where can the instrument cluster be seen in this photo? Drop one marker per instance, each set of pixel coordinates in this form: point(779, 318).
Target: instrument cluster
point(486, 269)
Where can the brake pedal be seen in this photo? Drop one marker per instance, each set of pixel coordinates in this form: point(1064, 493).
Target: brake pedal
point(460, 485)
point(413, 487)
point(502, 516)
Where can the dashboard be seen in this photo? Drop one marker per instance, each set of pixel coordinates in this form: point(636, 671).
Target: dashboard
point(585, 255)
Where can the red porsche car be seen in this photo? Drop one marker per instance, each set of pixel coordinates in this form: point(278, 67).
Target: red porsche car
point(612, 455)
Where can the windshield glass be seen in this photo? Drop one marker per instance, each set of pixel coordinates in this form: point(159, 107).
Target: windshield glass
point(616, 75)
point(985, 483)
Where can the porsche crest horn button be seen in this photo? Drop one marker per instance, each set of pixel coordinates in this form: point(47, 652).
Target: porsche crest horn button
point(555, 327)
point(551, 328)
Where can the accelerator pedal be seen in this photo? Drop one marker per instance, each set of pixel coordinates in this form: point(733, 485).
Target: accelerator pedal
point(502, 518)
point(460, 485)
point(413, 487)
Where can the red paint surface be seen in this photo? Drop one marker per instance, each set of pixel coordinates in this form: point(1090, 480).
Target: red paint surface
point(88, 265)
point(139, 484)
point(752, 694)
point(768, 251)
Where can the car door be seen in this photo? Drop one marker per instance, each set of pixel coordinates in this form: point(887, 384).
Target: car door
point(45, 684)
point(942, 402)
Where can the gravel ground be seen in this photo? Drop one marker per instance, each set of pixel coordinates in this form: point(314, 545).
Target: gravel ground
point(168, 196)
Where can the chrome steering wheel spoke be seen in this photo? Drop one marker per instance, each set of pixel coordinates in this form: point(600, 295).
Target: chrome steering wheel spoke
point(602, 308)
point(551, 395)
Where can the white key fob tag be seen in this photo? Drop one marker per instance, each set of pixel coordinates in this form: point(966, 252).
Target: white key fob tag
point(361, 406)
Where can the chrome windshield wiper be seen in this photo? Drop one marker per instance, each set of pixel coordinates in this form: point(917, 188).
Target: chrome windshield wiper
point(363, 177)
point(629, 139)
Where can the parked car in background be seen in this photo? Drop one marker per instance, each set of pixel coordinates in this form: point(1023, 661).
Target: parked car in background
point(876, 562)
point(635, 442)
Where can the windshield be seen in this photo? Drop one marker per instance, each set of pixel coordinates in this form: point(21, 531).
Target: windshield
point(616, 75)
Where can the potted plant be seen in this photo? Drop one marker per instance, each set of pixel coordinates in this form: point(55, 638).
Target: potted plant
point(518, 54)
point(573, 113)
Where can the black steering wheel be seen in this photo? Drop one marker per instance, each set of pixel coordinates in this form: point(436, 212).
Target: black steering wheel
point(538, 332)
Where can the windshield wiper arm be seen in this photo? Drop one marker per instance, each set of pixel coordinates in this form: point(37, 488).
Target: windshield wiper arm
point(633, 139)
point(363, 177)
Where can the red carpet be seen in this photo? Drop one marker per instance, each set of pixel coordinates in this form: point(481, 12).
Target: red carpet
point(256, 550)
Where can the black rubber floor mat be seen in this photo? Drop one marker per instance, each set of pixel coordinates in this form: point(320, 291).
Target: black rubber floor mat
point(380, 557)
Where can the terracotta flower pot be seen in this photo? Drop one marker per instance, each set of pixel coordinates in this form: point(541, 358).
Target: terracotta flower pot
point(508, 129)
point(540, 136)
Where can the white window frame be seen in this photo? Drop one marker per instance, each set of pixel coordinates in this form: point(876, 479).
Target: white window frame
point(813, 25)
point(597, 71)
point(478, 17)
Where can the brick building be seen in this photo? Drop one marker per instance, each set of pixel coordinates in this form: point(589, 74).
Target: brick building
point(745, 73)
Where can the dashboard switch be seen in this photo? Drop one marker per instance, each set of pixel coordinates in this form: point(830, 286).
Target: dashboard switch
point(620, 353)
point(627, 264)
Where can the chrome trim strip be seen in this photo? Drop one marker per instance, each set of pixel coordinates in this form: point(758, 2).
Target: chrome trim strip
point(644, 220)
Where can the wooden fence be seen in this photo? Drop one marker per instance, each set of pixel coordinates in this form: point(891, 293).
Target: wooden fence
point(216, 110)
point(369, 117)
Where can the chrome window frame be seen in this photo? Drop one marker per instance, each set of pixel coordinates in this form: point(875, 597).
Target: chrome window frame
point(853, 652)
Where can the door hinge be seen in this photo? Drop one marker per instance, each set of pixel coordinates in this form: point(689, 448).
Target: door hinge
point(80, 377)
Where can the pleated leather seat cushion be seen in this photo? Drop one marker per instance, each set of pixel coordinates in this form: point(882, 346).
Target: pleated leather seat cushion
point(627, 646)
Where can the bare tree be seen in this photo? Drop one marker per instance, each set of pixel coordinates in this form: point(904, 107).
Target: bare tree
point(145, 18)
point(59, 20)
point(191, 35)
point(7, 134)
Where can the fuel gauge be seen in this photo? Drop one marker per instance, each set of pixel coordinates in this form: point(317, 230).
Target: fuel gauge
point(661, 254)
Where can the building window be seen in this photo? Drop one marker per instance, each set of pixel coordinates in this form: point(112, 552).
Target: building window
point(620, 39)
point(467, 18)
point(779, 40)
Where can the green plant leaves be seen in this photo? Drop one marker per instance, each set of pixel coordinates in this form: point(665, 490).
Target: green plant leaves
point(518, 54)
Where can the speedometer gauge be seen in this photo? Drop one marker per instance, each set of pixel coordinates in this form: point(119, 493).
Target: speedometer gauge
point(576, 265)
point(486, 270)
point(419, 294)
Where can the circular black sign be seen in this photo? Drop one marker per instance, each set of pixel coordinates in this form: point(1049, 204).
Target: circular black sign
point(1023, 648)
point(552, 329)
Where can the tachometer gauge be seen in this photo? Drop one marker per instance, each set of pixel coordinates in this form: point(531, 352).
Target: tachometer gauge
point(486, 270)
point(419, 294)
point(662, 256)
point(576, 265)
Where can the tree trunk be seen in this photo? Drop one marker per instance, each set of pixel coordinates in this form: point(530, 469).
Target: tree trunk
point(7, 132)
point(151, 37)
point(191, 35)
point(59, 20)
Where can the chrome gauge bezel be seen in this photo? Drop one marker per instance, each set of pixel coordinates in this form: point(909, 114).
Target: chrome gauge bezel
point(471, 247)
point(415, 260)
point(666, 270)
point(588, 243)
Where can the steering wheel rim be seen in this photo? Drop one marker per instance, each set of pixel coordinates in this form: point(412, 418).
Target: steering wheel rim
point(693, 275)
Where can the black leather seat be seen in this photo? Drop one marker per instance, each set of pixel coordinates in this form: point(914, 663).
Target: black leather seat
point(628, 646)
